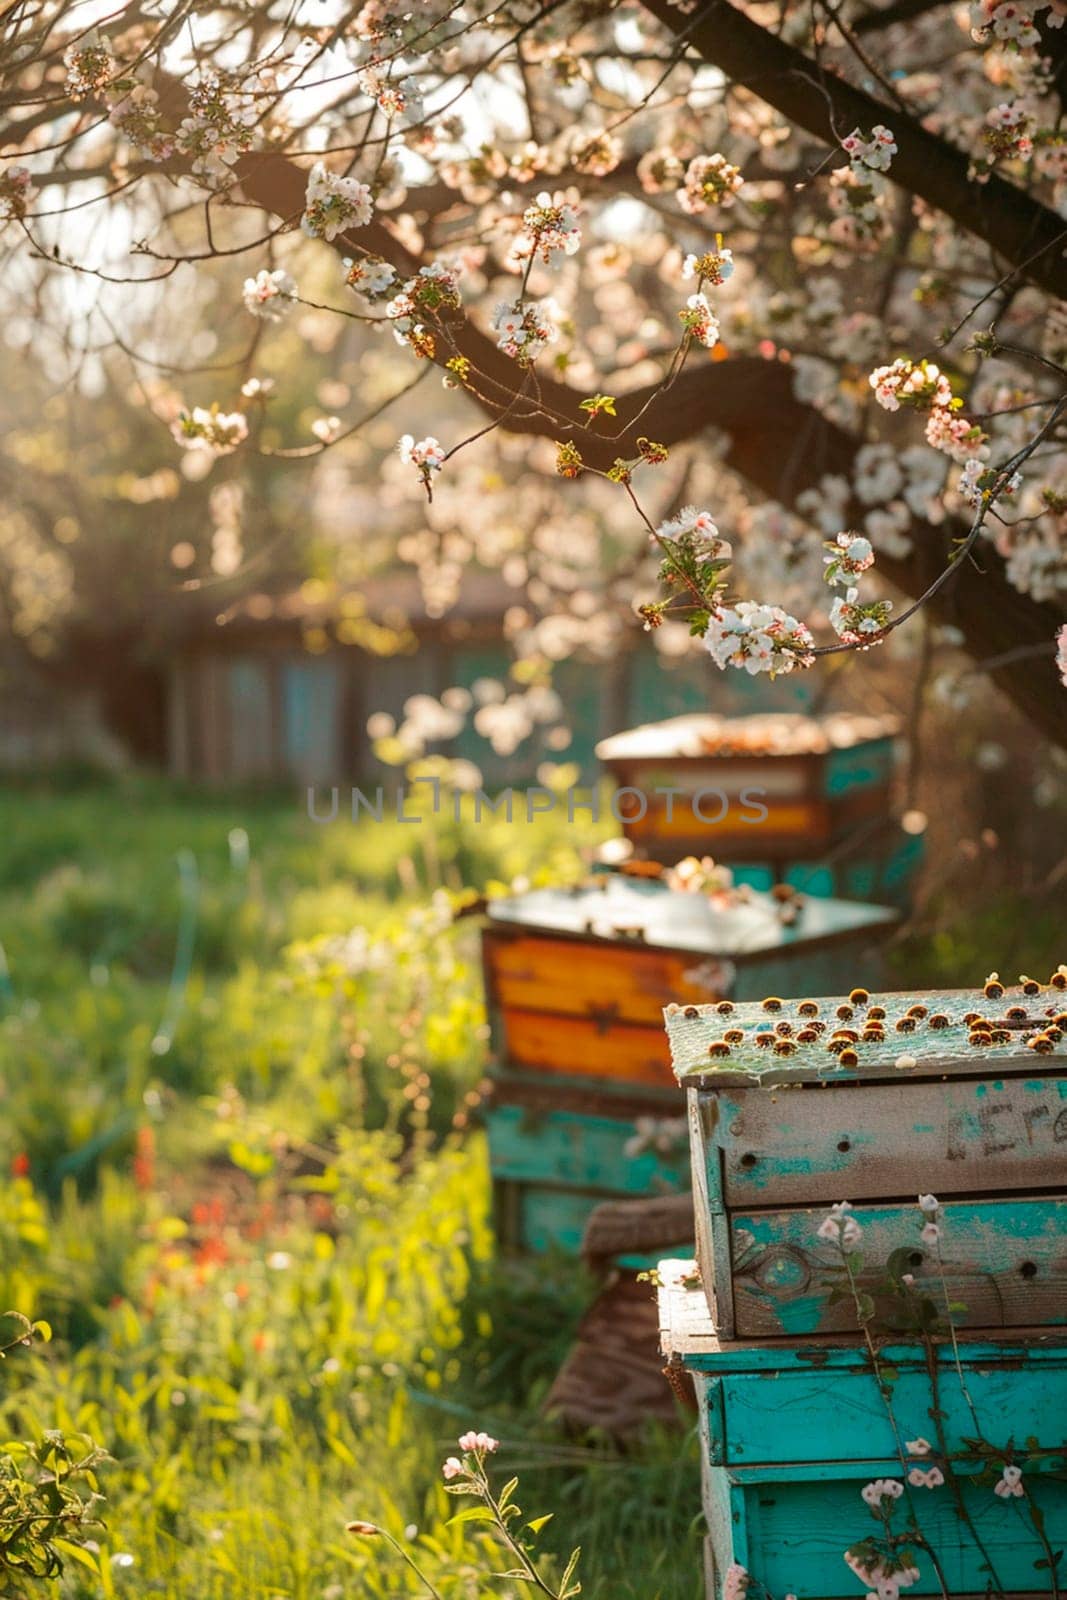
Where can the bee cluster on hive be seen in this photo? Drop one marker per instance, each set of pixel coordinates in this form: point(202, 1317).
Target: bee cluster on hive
point(864, 1029)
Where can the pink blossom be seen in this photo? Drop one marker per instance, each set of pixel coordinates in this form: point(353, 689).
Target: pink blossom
point(453, 1468)
point(931, 1478)
point(478, 1441)
point(1010, 1483)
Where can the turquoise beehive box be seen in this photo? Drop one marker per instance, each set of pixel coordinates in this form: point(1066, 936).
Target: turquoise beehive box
point(793, 1432)
point(794, 1104)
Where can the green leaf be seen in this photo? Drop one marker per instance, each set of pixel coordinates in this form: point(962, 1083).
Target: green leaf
point(472, 1514)
point(566, 1588)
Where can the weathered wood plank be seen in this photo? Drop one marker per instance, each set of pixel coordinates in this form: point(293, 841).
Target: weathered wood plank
point(609, 983)
point(793, 1535)
point(1005, 1260)
point(774, 1418)
point(688, 1335)
point(892, 1141)
point(594, 1152)
point(918, 1050)
point(569, 1045)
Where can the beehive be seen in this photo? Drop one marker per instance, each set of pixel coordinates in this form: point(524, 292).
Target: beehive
point(557, 1150)
point(787, 791)
point(964, 1097)
point(576, 982)
point(792, 1432)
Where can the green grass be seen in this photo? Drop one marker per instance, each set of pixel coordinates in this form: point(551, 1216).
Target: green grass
point(256, 1209)
point(256, 1218)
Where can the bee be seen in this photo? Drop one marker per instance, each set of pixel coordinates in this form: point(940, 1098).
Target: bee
point(906, 1025)
point(765, 1039)
point(874, 1035)
point(1029, 985)
point(784, 1028)
point(1042, 1044)
point(784, 1047)
point(1016, 1013)
point(1054, 1033)
point(971, 1017)
point(1058, 980)
point(724, 1007)
point(845, 1013)
point(836, 1045)
point(734, 1035)
point(1003, 1036)
point(939, 1020)
point(772, 1003)
point(876, 1014)
point(859, 997)
point(848, 1058)
point(718, 1048)
point(807, 1036)
point(994, 989)
point(807, 1008)
point(849, 1035)
point(917, 1011)
point(979, 1037)
point(691, 1011)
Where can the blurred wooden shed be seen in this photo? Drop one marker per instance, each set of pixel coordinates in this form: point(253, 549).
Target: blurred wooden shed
point(281, 687)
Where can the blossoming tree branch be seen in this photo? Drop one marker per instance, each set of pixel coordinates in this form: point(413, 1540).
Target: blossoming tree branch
point(819, 248)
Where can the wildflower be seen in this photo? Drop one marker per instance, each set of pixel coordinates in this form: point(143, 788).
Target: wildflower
point(881, 1489)
point(918, 1447)
point(1009, 1483)
point(735, 1584)
point(333, 203)
point(930, 1234)
point(929, 1203)
point(269, 295)
point(930, 1478)
point(326, 429)
point(453, 1468)
point(478, 1441)
point(568, 460)
point(1061, 654)
point(839, 1227)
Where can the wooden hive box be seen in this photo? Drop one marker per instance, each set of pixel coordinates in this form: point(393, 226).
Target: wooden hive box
point(558, 1149)
point(585, 1101)
point(791, 1434)
point(778, 1136)
point(778, 788)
